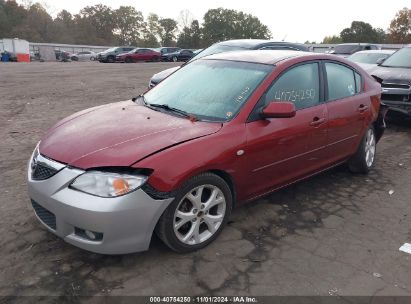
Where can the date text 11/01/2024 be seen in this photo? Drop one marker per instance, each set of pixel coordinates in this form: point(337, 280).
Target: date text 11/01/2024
point(204, 299)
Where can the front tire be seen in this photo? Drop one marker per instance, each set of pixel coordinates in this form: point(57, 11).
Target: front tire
point(197, 214)
point(363, 160)
point(175, 59)
point(129, 60)
point(111, 59)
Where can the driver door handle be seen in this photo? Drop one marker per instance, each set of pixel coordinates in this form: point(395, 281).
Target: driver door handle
point(362, 108)
point(317, 121)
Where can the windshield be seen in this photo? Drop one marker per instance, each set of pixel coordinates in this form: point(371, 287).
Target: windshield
point(400, 59)
point(217, 48)
point(346, 49)
point(213, 90)
point(370, 58)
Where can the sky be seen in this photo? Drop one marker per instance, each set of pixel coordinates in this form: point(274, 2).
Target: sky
point(289, 20)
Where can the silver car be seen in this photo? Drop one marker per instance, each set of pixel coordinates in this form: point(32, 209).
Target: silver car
point(368, 60)
point(84, 56)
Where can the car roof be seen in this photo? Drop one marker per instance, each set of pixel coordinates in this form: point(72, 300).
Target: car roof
point(259, 56)
point(376, 51)
point(257, 43)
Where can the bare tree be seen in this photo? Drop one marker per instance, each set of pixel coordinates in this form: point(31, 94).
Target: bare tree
point(185, 18)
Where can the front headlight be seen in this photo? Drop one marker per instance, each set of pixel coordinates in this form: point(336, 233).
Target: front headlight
point(106, 184)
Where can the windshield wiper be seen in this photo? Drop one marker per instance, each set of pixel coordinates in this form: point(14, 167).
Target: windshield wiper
point(168, 108)
point(165, 107)
point(138, 97)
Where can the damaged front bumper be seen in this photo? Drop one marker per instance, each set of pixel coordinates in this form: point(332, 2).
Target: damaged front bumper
point(114, 225)
point(397, 96)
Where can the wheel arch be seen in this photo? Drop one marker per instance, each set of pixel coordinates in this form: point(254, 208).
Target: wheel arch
point(228, 179)
point(156, 194)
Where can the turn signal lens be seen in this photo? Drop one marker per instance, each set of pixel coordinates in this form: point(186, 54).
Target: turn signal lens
point(120, 186)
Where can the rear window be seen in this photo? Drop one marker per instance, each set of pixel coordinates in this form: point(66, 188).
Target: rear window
point(347, 49)
point(218, 48)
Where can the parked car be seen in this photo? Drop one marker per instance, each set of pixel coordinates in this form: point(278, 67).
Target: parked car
point(368, 60)
point(233, 45)
point(167, 50)
point(84, 56)
point(394, 74)
point(110, 54)
point(279, 117)
point(137, 55)
point(347, 49)
point(181, 55)
point(62, 55)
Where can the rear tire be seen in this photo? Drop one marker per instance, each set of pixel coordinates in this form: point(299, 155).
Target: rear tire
point(197, 214)
point(363, 160)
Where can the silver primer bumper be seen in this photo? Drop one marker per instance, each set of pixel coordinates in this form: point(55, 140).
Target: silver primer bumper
point(126, 222)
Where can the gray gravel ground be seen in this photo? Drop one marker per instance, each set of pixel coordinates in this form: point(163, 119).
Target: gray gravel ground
point(333, 234)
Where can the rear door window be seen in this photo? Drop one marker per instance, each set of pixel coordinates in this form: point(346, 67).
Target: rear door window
point(341, 81)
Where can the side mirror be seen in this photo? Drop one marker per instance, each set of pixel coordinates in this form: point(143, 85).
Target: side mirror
point(278, 109)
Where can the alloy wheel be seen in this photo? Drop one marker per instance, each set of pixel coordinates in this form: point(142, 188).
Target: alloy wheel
point(199, 214)
point(369, 148)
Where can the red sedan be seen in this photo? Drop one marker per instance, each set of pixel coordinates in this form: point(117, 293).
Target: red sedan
point(221, 131)
point(138, 55)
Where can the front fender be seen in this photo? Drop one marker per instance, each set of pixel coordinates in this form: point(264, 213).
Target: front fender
point(218, 151)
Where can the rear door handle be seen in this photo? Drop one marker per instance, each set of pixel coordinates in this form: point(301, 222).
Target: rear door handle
point(362, 108)
point(317, 121)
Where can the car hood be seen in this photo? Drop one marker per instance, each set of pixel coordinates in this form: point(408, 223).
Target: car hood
point(393, 75)
point(163, 74)
point(118, 134)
